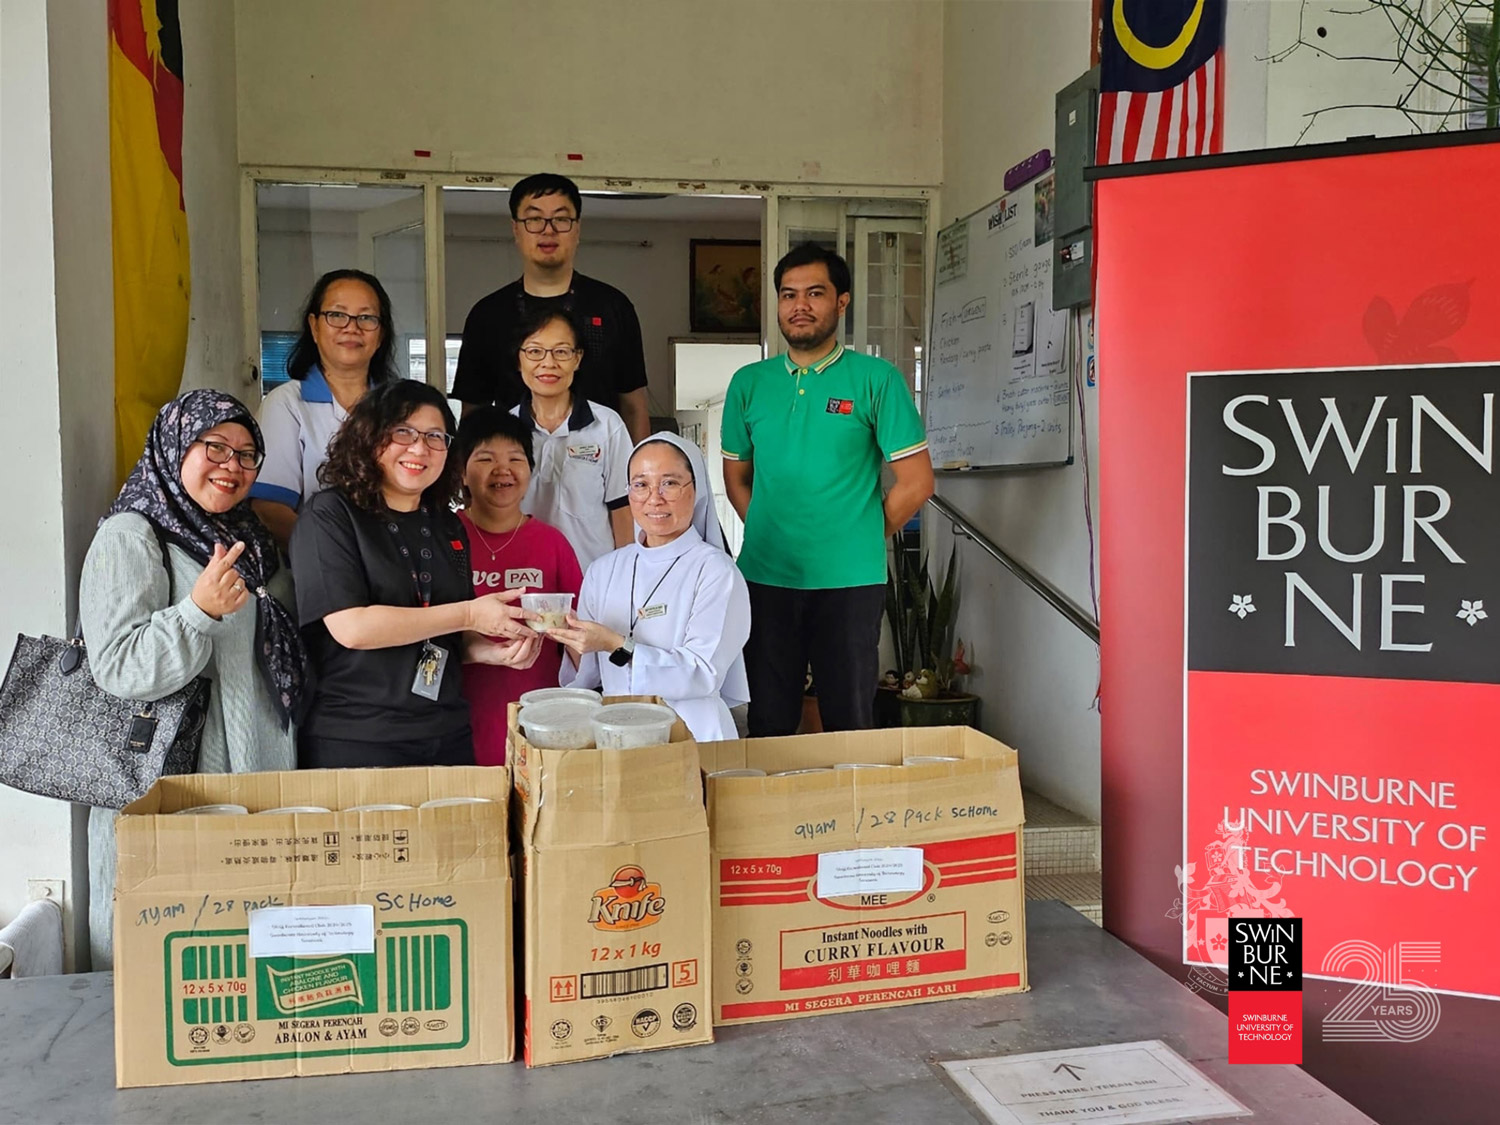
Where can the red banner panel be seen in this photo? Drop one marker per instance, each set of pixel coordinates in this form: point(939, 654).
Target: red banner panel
point(1298, 365)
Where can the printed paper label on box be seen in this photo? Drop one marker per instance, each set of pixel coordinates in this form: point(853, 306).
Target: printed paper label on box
point(297, 931)
point(865, 871)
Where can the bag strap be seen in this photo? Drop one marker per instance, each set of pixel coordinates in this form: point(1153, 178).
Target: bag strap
point(72, 657)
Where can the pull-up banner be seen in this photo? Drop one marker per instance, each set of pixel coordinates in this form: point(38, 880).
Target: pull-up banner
point(1301, 561)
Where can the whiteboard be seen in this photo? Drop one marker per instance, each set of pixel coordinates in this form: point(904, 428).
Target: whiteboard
point(999, 385)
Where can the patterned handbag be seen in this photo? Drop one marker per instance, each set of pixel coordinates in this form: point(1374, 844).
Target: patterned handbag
point(63, 736)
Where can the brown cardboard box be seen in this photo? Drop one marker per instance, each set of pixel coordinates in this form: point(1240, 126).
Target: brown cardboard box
point(782, 951)
point(411, 968)
point(614, 875)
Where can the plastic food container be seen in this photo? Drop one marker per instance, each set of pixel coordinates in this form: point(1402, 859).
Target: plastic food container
point(926, 759)
point(627, 726)
point(553, 608)
point(560, 725)
point(213, 810)
point(448, 802)
point(863, 766)
point(379, 808)
point(295, 809)
point(738, 773)
point(553, 694)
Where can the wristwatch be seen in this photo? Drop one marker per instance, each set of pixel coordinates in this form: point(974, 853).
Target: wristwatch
point(621, 656)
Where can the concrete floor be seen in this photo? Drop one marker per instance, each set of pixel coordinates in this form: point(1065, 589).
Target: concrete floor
point(57, 1043)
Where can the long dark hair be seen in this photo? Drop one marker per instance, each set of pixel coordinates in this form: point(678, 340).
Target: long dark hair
point(352, 454)
point(305, 351)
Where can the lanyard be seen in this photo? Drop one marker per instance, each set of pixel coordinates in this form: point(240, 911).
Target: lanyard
point(634, 615)
point(418, 562)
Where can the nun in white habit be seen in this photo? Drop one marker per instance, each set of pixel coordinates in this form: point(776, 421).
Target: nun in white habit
point(669, 614)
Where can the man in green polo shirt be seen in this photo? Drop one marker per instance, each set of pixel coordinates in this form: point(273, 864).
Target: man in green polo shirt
point(805, 435)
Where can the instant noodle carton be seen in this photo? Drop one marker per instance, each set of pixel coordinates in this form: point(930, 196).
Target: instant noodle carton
point(614, 879)
point(864, 888)
point(268, 945)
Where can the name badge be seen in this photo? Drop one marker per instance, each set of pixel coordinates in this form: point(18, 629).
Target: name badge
point(653, 611)
point(588, 452)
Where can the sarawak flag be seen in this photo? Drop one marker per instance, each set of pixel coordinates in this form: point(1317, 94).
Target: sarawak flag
point(1161, 79)
point(150, 223)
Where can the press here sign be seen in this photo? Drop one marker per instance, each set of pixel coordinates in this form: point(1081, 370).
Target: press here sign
point(1342, 721)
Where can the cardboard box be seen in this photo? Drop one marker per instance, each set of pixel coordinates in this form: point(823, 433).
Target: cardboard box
point(410, 965)
point(615, 883)
point(944, 921)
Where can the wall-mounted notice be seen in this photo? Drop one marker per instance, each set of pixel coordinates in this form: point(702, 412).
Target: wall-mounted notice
point(999, 390)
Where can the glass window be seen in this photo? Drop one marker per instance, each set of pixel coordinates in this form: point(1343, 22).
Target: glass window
point(305, 230)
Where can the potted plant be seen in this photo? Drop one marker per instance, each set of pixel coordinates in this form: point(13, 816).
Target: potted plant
point(923, 690)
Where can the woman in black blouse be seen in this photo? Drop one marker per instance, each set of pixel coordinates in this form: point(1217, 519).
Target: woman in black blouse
point(384, 594)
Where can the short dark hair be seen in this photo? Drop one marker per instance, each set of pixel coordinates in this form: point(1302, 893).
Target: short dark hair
point(478, 426)
point(537, 317)
point(352, 454)
point(545, 183)
point(810, 254)
point(305, 351)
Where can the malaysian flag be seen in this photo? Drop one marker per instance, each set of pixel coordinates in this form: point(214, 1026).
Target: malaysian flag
point(1161, 79)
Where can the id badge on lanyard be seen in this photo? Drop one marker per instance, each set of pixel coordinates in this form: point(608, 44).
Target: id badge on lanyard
point(433, 659)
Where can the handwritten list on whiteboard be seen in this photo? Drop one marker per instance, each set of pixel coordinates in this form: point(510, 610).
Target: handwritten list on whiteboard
point(999, 387)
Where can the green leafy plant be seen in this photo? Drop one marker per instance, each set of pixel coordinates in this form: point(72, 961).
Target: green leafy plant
point(923, 617)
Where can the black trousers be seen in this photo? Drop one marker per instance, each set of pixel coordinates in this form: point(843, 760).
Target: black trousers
point(837, 632)
point(317, 753)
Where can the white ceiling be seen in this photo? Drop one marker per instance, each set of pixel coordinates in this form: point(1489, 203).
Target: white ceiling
point(478, 201)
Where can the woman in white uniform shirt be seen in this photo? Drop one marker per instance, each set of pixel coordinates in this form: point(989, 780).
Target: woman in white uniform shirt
point(669, 614)
point(347, 346)
point(578, 485)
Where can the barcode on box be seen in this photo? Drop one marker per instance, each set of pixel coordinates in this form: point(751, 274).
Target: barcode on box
point(623, 982)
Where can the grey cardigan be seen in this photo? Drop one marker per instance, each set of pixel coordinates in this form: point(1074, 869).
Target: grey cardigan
point(146, 639)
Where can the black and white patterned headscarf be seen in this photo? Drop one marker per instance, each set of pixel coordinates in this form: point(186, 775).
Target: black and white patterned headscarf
point(154, 489)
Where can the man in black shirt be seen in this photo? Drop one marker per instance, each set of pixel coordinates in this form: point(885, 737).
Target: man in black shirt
point(544, 212)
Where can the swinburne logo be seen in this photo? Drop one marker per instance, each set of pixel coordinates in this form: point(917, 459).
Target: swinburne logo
point(628, 903)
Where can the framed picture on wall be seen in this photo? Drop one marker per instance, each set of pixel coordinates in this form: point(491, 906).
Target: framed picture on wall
point(724, 285)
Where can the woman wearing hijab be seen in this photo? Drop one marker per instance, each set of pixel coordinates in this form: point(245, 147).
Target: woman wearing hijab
point(182, 580)
point(669, 614)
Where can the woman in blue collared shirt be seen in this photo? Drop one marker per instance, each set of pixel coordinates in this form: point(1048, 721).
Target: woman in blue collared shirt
point(347, 346)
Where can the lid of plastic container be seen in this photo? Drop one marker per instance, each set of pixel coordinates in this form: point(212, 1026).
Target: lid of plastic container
point(445, 802)
point(295, 809)
point(378, 808)
point(799, 773)
point(738, 773)
point(558, 714)
point(863, 766)
point(553, 694)
point(924, 759)
point(213, 810)
point(619, 715)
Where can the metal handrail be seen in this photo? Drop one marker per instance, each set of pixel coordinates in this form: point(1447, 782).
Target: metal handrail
point(1080, 618)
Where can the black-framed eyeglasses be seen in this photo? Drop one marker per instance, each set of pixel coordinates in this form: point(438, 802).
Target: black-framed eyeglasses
point(563, 353)
point(535, 224)
point(367, 322)
point(433, 439)
point(668, 489)
point(220, 454)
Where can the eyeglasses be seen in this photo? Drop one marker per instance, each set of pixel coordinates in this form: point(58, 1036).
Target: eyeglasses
point(668, 489)
point(434, 439)
point(562, 353)
point(562, 224)
point(220, 454)
point(367, 322)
